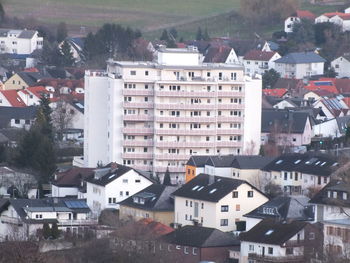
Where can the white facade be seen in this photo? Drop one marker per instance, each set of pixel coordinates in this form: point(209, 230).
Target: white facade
point(22, 42)
point(290, 22)
point(155, 115)
point(100, 197)
point(299, 71)
point(341, 66)
point(253, 67)
point(221, 215)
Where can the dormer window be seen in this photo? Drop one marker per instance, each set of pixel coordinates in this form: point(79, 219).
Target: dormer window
point(335, 194)
point(345, 196)
point(329, 194)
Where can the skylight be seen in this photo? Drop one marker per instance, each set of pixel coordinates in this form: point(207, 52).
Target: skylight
point(213, 191)
point(335, 164)
point(200, 188)
point(111, 176)
point(194, 188)
point(279, 161)
point(323, 163)
point(269, 232)
point(297, 161)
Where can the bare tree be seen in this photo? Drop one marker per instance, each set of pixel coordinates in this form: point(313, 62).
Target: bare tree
point(62, 117)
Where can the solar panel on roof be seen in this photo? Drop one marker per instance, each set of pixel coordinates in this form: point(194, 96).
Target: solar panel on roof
point(76, 204)
point(323, 83)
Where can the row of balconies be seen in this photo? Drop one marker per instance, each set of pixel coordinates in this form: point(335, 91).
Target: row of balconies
point(182, 94)
point(198, 132)
point(143, 117)
point(182, 144)
point(280, 259)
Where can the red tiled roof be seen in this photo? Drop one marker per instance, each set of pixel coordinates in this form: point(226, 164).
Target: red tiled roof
point(181, 45)
point(343, 85)
point(38, 91)
point(58, 83)
point(331, 14)
point(155, 227)
point(322, 84)
point(13, 98)
point(305, 14)
point(275, 92)
point(259, 55)
point(322, 92)
point(31, 70)
point(72, 176)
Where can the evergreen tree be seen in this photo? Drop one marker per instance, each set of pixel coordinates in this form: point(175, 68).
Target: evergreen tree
point(167, 179)
point(199, 35)
point(46, 231)
point(2, 14)
point(173, 32)
point(55, 233)
point(270, 78)
point(165, 35)
point(206, 35)
point(67, 55)
point(61, 32)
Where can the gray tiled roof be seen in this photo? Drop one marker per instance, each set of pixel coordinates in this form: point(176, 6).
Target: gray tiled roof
point(27, 34)
point(23, 113)
point(300, 58)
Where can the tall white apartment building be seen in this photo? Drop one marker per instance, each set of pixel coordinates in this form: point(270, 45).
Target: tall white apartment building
point(154, 115)
point(22, 42)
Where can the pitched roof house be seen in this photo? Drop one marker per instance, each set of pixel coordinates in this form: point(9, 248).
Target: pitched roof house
point(259, 62)
point(221, 54)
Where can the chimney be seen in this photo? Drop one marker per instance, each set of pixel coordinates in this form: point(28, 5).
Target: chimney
point(211, 179)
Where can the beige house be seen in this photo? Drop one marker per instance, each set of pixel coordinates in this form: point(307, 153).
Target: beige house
point(22, 80)
point(215, 201)
point(153, 202)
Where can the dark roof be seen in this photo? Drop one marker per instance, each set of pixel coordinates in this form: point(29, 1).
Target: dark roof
point(322, 165)
point(270, 231)
point(72, 177)
point(31, 78)
point(209, 188)
point(12, 134)
point(197, 236)
point(343, 123)
point(285, 121)
point(300, 58)
point(284, 207)
point(251, 161)
point(259, 55)
point(104, 176)
point(217, 54)
point(221, 160)
point(156, 196)
point(47, 204)
point(27, 34)
point(334, 186)
point(290, 84)
point(23, 113)
point(197, 160)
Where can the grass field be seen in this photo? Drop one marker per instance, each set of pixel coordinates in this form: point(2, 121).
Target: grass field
point(151, 16)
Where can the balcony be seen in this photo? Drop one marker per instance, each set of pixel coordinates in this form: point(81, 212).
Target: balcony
point(185, 132)
point(229, 94)
point(138, 143)
point(177, 169)
point(143, 167)
point(140, 117)
point(138, 131)
point(136, 92)
point(172, 157)
point(182, 106)
point(230, 119)
point(96, 73)
point(183, 94)
point(185, 144)
point(286, 259)
point(185, 119)
point(229, 144)
point(232, 106)
point(137, 156)
point(229, 131)
point(86, 222)
point(138, 105)
point(295, 243)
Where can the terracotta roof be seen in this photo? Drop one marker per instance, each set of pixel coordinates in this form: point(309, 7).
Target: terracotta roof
point(181, 45)
point(58, 83)
point(343, 85)
point(38, 91)
point(275, 92)
point(344, 16)
point(331, 14)
point(259, 55)
point(217, 54)
point(322, 84)
point(305, 14)
point(322, 92)
point(72, 177)
point(13, 98)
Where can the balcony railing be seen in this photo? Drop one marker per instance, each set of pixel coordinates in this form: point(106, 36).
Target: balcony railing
point(179, 169)
point(295, 243)
point(229, 131)
point(184, 132)
point(203, 119)
point(173, 157)
point(143, 167)
point(182, 106)
point(138, 143)
point(137, 155)
point(96, 73)
point(138, 117)
point(230, 119)
point(232, 106)
point(285, 259)
point(138, 105)
point(230, 94)
point(229, 144)
point(138, 131)
point(184, 144)
point(136, 92)
point(77, 222)
point(183, 94)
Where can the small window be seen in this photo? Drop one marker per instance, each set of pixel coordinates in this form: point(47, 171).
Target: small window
point(137, 181)
point(289, 251)
point(235, 194)
point(224, 208)
point(270, 251)
point(224, 222)
point(251, 247)
point(312, 236)
point(238, 207)
point(250, 193)
point(133, 72)
point(146, 73)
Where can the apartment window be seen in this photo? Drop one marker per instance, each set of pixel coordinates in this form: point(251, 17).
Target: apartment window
point(219, 137)
point(296, 176)
point(161, 125)
point(219, 125)
point(202, 205)
point(27, 121)
point(17, 121)
point(206, 150)
point(186, 202)
point(285, 175)
point(137, 181)
point(220, 75)
point(207, 138)
point(219, 100)
point(208, 74)
point(289, 251)
point(224, 208)
point(220, 87)
point(190, 203)
point(146, 86)
point(145, 149)
point(250, 193)
point(224, 222)
point(121, 193)
point(219, 113)
point(146, 99)
point(238, 207)
point(270, 250)
point(146, 73)
point(133, 72)
point(125, 181)
point(235, 194)
point(186, 217)
point(251, 247)
point(161, 138)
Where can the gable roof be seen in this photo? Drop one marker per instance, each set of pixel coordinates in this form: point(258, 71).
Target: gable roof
point(201, 237)
point(305, 14)
point(321, 165)
point(268, 231)
point(72, 177)
point(251, 161)
point(322, 84)
point(217, 54)
point(9, 113)
point(209, 188)
point(283, 208)
point(300, 58)
point(30, 78)
point(27, 34)
point(285, 121)
point(197, 160)
point(275, 92)
point(289, 84)
point(13, 98)
point(333, 186)
point(220, 160)
point(259, 55)
point(156, 197)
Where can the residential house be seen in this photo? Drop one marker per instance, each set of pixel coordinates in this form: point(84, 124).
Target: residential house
point(195, 166)
point(341, 66)
point(332, 107)
point(259, 62)
point(111, 185)
point(317, 94)
point(279, 93)
point(11, 98)
point(286, 127)
point(299, 65)
point(17, 117)
point(22, 42)
point(221, 54)
point(32, 95)
point(295, 87)
point(215, 201)
point(325, 84)
point(23, 80)
point(282, 208)
point(154, 202)
point(296, 18)
point(299, 173)
point(289, 102)
point(280, 242)
point(332, 210)
point(76, 45)
point(270, 46)
point(23, 219)
point(70, 182)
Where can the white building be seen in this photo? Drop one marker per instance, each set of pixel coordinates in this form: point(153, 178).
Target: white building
point(340, 19)
point(299, 65)
point(22, 42)
point(157, 114)
point(214, 201)
point(20, 219)
point(341, 66)
point(296, 18)
point(259, 62)
point(111, 185)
